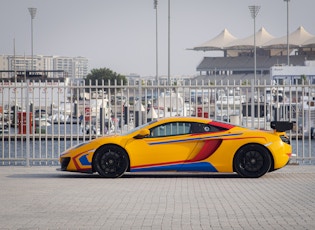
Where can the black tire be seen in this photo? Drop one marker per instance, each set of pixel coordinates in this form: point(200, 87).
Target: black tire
point(111, 161)
point(252, 161)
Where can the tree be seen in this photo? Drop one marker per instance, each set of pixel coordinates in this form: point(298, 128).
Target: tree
point(98, 76)
point(303, 80)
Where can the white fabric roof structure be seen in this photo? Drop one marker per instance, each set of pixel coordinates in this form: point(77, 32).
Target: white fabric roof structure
point(218, 42)
point(225, 41)
point(296, 39)
point(310, 42)
point(262, 37)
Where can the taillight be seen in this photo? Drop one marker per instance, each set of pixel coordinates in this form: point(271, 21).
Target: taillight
point(285, 139)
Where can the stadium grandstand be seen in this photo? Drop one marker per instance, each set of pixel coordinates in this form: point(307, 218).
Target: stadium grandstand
point(237, 60)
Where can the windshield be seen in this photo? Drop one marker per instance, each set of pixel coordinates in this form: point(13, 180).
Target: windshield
point(139, 127)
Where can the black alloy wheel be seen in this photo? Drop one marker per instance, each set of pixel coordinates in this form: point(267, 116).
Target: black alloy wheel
point(252, 161)
point(111, 161)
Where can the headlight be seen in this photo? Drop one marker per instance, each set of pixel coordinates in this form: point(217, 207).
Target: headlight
point(80, 145)
point(75, 147)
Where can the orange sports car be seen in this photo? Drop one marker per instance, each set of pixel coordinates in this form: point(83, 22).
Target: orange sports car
point(184, 144)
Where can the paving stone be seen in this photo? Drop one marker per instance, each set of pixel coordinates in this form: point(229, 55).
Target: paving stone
point(43, 198)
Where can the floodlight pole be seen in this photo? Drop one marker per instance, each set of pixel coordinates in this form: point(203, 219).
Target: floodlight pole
point(254, 11)
point(169, 43)
point(33, 13)
point(288, 48)
point(156, 42)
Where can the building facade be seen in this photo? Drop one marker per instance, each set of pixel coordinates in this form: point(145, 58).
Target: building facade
point(291, 75)
point(72, 67)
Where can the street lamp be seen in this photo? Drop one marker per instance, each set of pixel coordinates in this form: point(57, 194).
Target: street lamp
point(288, 48)
point(254, 11)
point(33, 13)
point(156, 40)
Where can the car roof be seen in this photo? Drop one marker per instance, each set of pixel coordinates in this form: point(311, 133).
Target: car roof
point(188, 119)
point(221, 124)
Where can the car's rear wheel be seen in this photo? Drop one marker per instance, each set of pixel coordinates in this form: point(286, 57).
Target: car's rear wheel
point(252, 161)
point(111, 161)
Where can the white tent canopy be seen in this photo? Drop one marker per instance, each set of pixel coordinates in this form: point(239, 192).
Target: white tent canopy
point(309, 42)
point(218, 42)
point(296, 38)
point(262, 37)
point(299, 38)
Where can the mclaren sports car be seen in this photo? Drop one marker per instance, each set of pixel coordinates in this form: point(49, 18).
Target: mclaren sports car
point(183, 144)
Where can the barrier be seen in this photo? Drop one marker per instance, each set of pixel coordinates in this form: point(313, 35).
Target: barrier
point(44, 148)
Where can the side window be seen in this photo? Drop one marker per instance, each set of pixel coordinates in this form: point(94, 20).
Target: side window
point(203, 128)
point(171, 129)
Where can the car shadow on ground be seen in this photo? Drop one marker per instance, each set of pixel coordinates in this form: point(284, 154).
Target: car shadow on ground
point(180, 175)
point(73, 175)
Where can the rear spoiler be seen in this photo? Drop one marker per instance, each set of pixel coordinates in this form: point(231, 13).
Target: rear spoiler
point(281, 126)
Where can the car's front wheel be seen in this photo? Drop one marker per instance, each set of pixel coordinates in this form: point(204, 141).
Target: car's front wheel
point(252, 161)
point(111, 161)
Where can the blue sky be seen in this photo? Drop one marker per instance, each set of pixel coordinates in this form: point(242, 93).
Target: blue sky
point(120, 34)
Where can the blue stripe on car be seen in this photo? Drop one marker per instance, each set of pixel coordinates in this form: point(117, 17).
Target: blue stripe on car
point(194, 139)
point(190, 167)
point(84, 161)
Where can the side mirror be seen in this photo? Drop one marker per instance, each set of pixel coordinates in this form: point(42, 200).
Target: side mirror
point(142, 134)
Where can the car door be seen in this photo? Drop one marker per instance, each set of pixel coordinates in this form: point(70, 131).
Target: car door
point(166, 148)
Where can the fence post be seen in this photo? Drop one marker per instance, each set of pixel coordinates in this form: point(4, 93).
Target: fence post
point(27, 104)
point(253, 102)
point(139, 106)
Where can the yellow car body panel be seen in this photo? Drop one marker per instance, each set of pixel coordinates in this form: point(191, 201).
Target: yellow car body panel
point(150, 152)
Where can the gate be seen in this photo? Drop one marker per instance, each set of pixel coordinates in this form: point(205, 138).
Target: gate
point(39, 120)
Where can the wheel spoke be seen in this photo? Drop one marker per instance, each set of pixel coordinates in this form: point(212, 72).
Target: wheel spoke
point(111, 163)
point(252, 161)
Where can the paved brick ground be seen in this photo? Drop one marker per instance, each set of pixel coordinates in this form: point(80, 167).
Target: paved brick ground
point(43, 198)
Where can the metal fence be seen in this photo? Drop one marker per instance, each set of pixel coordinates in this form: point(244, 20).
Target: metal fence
point(39, 120)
